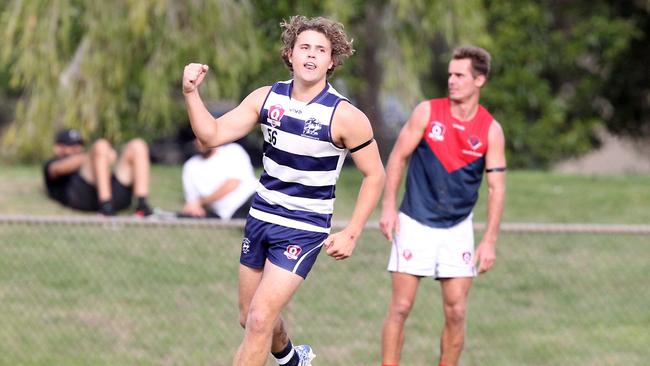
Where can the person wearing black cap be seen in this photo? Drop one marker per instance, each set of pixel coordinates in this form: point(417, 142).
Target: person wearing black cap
point(85, 180)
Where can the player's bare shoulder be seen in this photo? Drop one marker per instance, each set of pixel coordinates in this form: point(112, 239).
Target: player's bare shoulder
point(496, 131)
point(262, 90)
point(496, 155)
point(348, 113)
point(420, 115)
point(257, 97)
point(496, 126)
point(350, 126)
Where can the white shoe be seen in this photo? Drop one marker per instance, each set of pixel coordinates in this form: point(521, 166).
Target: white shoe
point(305, 354)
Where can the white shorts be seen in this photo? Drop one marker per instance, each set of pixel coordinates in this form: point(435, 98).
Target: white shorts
point(422, 250)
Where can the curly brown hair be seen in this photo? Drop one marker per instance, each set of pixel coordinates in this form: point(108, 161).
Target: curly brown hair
point(333, 31)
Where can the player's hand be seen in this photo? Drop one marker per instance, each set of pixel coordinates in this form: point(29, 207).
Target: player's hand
point(194, 209)
point(340, 245)
point(389, 223)
point(485, 256)
point(193, 75)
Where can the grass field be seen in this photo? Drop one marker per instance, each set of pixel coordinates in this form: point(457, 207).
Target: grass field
point(531, 197)
point(119, 294)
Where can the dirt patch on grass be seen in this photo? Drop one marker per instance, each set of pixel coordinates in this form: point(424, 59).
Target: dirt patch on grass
point(616, 156)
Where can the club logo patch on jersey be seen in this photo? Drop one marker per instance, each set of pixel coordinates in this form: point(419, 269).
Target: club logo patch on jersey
point(467, 257)
point(275, 115)
point(474, 141)
point(245, 246)
point(407, 254)
point(437, 132)
point(312, 127)
point(292, 252)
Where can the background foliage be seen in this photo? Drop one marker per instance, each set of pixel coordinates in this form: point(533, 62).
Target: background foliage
point(113, 68)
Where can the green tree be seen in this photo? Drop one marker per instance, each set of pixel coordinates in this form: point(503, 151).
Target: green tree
point(627, 90)
point(393, 48)
point(398, 51)
point(112, 68)
point(552, 60)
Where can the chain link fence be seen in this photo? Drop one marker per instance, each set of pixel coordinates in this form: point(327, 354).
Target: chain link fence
point(123, 291)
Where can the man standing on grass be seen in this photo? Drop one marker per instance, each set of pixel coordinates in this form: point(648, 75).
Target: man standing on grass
point(308, 128)
point(450, 142)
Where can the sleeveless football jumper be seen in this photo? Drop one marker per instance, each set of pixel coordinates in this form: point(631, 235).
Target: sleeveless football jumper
point(446, 168)
point(301, 162)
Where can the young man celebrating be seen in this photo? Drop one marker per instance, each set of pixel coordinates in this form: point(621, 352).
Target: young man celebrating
point(308, 129)
point(450, 143)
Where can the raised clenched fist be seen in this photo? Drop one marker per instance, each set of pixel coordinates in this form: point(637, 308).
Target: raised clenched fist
point(193, 75)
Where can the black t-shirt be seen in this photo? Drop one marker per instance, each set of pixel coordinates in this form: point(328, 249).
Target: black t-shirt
point(56, 187)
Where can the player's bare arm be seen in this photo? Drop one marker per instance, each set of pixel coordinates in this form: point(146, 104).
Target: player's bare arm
point(67, 165)
point(228, 186)
point(351, 128)
point(196, 207)
point(408, 139)
point(495, 164)
point(231, 126)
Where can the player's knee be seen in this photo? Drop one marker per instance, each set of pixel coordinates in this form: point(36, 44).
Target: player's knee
point(139, 146)
point(101, 147)
point(455, 313)
point(258, 322)
point(400, 309)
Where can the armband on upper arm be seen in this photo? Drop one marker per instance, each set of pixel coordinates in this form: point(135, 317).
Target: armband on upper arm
point(496, 170)
point(353, 150)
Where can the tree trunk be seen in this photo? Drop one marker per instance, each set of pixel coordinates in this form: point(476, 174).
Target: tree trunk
point(369, 99)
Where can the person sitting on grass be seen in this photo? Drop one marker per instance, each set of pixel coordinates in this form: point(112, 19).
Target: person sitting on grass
point(218, 182)
point(85, 180)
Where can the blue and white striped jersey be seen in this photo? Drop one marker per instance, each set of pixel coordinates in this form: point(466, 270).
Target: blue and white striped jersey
point(301, 163)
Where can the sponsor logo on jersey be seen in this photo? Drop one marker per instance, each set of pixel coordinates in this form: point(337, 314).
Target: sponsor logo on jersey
point(437, 131)
point(245, 246)
point(458, 126)
point(275, 115)
point(471, 152)
point(311, 128)
point(475, 142)
point(292, 252)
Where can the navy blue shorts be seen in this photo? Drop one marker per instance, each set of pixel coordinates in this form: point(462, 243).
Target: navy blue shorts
point(292, 249)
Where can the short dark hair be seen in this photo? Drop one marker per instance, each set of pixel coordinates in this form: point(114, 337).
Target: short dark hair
point(479, 57)
point(333, 31)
